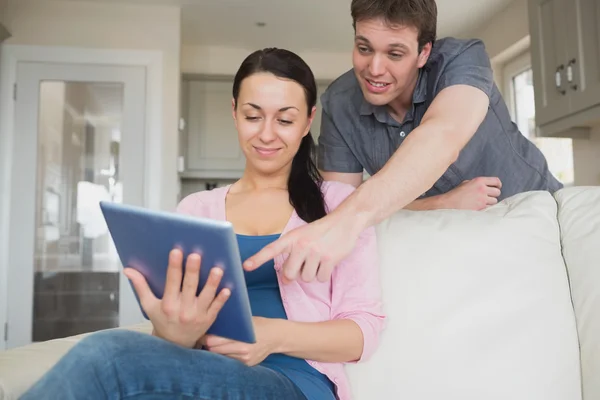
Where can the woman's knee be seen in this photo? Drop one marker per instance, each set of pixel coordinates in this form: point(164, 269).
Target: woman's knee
point(106, 345)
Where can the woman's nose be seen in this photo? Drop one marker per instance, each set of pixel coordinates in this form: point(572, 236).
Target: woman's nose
point(268, 134)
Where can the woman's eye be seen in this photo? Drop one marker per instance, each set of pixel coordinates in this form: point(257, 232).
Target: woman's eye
point(285, 122)
point(252, 118)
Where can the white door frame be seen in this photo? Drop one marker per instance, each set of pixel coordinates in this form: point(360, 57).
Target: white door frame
point(10, 56)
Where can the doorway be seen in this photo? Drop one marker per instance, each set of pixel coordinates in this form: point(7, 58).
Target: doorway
point(79, 137)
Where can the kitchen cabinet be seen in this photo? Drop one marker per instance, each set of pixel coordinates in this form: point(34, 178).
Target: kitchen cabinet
point(211, 148)
point(209, 140)
point(565, 54)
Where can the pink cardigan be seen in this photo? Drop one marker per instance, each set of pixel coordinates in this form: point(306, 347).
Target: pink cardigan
point(353, 292)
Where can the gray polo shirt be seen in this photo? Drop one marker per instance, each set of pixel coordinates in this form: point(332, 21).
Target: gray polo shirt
point(356, 135)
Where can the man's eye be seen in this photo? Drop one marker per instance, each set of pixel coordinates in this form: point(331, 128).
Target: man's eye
point(363, 49)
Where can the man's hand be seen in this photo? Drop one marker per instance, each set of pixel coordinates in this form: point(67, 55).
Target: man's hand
point(267, 341)
point(314, 249)
point(475, 194)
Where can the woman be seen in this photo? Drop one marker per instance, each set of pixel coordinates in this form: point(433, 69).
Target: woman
point(305, 331)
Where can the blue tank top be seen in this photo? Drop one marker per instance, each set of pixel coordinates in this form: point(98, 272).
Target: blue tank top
point(265, 301)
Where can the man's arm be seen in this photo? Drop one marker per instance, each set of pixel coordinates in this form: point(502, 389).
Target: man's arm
point(450, 122)
point(452, 119)
point(456, 112)
point(351, 178)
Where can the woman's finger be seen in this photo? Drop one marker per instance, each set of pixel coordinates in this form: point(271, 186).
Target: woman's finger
point(229, 349)
point(209, 291)
point(147, 298)
point(190, 281)
point(214, 341)
point(174, 275)
point(218, 303)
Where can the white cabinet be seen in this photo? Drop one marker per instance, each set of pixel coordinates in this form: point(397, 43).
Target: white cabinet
point(565, 53)
point(211, 148)
point(209, 142)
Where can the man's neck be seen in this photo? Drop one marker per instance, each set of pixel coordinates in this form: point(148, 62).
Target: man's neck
point(401, 104)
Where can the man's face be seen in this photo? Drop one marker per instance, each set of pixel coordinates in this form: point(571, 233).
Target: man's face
point(386, 60)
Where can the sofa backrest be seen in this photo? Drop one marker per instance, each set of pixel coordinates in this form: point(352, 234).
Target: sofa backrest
point(479, 307)
point(579, 217)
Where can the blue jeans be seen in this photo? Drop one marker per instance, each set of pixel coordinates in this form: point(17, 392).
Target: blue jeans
point(121, 364)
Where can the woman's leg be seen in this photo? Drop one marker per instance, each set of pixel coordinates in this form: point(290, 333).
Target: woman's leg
point(122, 364)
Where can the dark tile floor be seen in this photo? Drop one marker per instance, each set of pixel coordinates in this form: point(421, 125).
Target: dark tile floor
point(70, 303)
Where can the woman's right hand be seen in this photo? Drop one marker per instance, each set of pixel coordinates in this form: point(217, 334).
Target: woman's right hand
point(180, 316)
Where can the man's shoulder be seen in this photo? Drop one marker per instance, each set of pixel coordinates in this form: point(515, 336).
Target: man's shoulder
point(450, 47)
point(343, 92)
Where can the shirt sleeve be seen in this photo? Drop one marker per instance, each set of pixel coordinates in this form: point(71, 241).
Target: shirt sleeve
point(333, 152)
point(356, 289)
point(471, 66)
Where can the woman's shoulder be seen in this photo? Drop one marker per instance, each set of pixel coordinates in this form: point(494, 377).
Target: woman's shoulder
point(202, 203)
point(334, 193)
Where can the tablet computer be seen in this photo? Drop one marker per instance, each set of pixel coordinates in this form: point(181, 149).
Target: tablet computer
point(144, 238)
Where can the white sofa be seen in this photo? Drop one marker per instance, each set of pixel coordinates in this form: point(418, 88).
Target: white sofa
point(502, 304)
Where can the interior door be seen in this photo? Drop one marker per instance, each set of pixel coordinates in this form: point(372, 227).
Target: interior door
point(79, 139)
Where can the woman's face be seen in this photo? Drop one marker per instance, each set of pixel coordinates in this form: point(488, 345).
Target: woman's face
point(271, 118)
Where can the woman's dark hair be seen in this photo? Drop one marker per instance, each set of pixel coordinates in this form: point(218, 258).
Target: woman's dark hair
point(304, 182)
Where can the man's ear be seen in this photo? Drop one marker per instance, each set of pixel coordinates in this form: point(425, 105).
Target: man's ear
point(424, 55)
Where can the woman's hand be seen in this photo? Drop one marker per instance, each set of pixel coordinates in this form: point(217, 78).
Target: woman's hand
point(249, 354)
point(181, 317)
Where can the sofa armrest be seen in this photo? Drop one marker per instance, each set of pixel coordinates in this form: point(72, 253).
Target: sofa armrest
point(579, 218)
point(21, 367)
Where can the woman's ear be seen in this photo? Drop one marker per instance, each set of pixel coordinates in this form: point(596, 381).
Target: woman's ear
point(233, 111)
point(310, 120)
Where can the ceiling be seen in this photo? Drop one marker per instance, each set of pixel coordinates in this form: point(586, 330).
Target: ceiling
point(299, 25)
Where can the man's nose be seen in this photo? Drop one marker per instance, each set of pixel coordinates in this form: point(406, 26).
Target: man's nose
point(377, 66)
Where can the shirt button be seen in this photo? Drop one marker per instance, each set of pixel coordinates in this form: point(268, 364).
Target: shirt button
point(402, 134)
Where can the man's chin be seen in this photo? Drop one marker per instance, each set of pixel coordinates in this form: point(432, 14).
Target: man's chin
point(376, 99)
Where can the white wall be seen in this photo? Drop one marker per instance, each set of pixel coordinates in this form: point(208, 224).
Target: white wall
point(586, 159)
point(113, 26)
point(3, 32)
point(226, 61)
point(505, 36)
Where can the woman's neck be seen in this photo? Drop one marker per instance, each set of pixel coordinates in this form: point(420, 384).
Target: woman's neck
point(252, 180)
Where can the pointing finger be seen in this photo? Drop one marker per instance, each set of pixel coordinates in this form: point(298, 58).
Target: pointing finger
point(268, 253)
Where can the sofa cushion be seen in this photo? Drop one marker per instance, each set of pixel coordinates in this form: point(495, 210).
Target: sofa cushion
point(579, 217)
point(478, 305)
point(23, 366)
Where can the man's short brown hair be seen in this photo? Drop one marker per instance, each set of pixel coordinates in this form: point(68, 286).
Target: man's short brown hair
point(422, 14)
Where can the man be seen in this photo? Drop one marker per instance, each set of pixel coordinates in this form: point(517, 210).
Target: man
point(424, 118)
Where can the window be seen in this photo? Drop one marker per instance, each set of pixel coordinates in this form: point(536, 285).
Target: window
point(519, 96)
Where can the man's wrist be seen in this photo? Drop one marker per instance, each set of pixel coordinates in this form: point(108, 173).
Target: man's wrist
point(354, 213)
